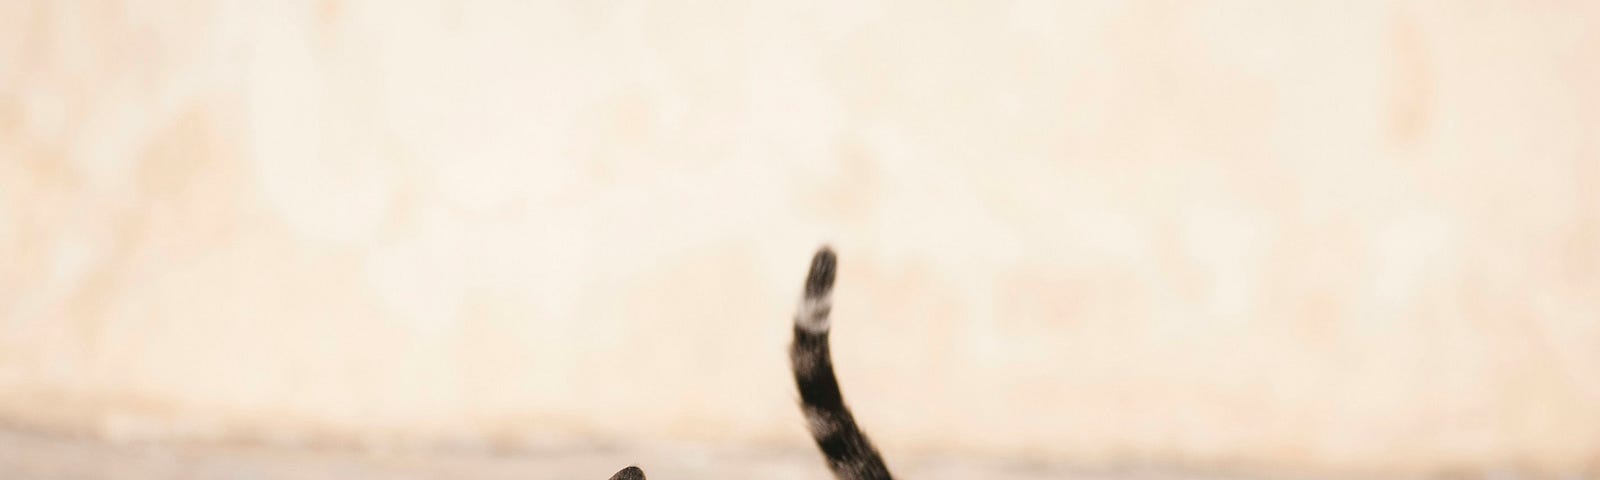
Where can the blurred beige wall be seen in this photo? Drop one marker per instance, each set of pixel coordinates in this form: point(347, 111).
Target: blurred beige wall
point(1334, 236)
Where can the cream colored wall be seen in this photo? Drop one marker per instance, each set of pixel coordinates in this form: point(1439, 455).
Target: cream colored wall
point(1231, 234)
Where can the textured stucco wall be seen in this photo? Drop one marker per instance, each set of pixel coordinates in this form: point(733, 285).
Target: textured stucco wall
point(1234, 234)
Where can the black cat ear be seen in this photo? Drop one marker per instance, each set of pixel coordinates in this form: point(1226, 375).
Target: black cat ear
point(630, 473)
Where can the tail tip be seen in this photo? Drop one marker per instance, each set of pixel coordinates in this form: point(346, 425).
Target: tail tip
point(823, 265)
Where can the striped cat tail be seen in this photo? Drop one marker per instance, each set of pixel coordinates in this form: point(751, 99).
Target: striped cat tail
point(850, 455)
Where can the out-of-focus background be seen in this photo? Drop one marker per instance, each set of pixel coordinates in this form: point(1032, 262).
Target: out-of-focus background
point(547, 240)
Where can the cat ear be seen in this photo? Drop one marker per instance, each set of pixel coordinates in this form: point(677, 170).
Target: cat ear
point(630, 473)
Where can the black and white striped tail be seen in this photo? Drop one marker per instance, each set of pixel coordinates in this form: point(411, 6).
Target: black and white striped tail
point(850, 455)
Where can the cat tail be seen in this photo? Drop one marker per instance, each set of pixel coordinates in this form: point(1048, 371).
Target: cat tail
point(850, 455)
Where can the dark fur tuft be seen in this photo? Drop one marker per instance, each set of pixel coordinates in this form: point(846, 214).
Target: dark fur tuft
point(630, 473)
point(819, 283)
